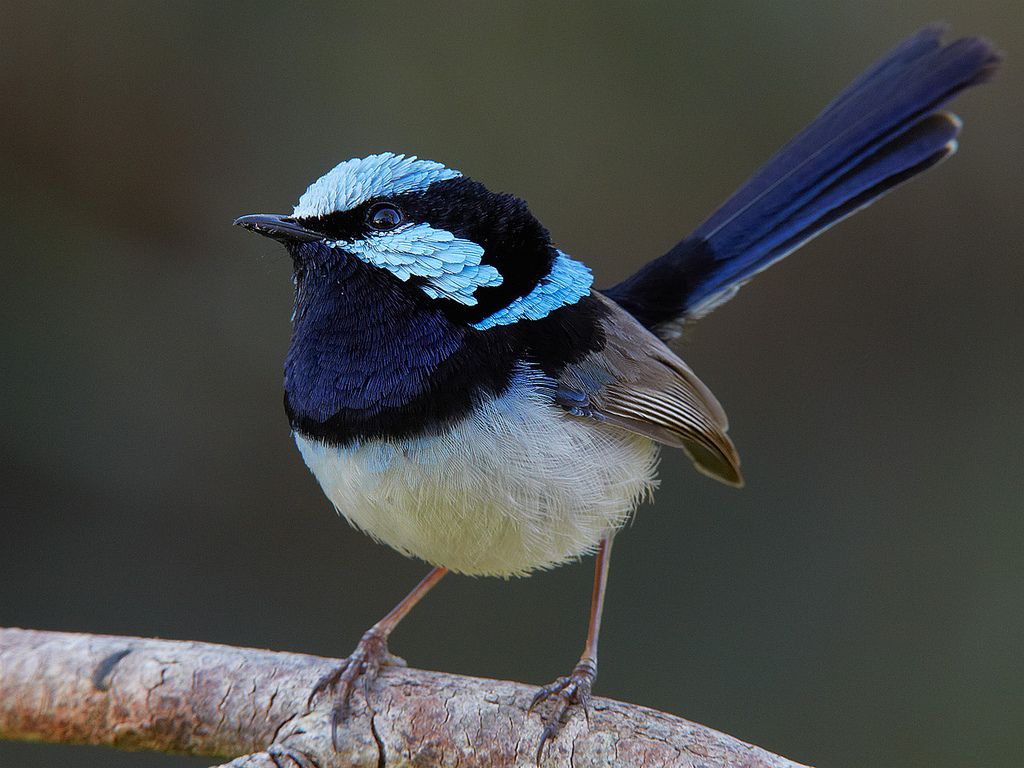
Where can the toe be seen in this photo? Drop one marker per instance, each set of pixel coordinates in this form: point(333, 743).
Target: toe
point(547, 692)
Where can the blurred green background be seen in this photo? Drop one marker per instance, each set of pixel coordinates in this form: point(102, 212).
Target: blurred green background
point(861, 602)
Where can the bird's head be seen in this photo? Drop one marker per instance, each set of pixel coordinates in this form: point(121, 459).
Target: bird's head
point(433, 234)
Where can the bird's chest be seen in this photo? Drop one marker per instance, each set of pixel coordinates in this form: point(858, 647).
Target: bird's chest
point(513, 487)
point(366, 361)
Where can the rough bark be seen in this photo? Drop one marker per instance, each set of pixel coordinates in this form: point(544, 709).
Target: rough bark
point(205, 699)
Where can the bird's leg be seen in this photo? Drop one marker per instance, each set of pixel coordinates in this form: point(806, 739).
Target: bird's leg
point(371, 654)
point(575, 689)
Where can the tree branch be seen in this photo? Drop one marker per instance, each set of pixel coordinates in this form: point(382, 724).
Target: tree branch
point(204, 699)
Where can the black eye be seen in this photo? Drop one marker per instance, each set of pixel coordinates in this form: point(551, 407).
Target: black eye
point(384, 217)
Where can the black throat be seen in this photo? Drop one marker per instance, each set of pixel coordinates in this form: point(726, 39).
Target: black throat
point(368, 359)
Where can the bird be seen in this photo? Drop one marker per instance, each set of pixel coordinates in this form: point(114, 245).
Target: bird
point(462, 392)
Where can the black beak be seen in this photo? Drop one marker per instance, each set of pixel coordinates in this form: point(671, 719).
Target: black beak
point(280, 228)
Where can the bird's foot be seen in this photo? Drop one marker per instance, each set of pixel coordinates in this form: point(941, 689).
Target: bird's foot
point(569, 692)
point(362, 667)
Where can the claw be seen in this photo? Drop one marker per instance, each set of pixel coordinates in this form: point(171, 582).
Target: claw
point(362, 666)
point(570, 691)
point(326, 682)
point(548, 733)
point(336, 717)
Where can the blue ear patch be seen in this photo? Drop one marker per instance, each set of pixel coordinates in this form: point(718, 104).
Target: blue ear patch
point(567, 282)
point(450, 264)
point(355, 181)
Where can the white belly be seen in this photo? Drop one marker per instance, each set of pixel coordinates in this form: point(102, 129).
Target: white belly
point(516, 487)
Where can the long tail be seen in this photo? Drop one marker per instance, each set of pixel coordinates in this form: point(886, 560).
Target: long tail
point(882, 130)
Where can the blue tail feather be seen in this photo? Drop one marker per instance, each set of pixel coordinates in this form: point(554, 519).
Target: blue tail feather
point(880, 131)
point(927, 142)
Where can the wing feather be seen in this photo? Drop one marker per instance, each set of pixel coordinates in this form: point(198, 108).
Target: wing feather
point(638, 384)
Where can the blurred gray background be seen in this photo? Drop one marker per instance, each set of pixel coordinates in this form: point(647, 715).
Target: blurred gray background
point(861, 602)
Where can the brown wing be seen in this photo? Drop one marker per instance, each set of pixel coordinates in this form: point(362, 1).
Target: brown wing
point(645, 388)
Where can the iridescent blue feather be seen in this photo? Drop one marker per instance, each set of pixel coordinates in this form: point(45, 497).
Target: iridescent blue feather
point(450, 264)
point(567, 282)
point(356, 181)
